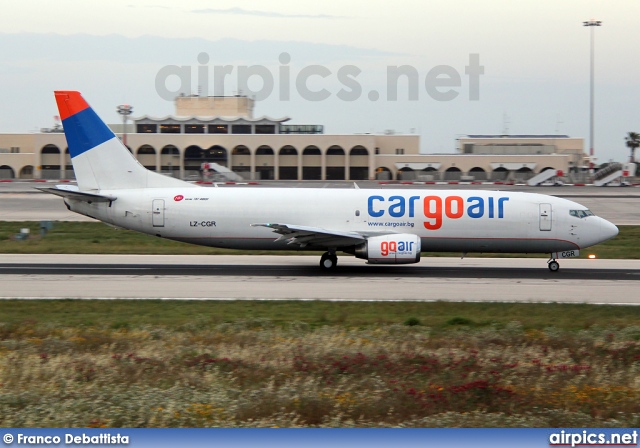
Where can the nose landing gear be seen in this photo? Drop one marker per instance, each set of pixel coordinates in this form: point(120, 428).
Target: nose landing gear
point(328, 261)
point(554, 266)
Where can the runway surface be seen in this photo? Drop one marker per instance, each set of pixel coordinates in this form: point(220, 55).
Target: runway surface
point(299, 278)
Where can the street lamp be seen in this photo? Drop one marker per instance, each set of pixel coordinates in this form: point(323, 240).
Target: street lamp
point(125, 110)
point(591, 23)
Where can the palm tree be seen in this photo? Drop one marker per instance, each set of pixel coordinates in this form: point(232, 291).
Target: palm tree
point(633, 141)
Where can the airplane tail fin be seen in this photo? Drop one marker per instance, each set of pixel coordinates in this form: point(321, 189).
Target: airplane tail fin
point(100, 160)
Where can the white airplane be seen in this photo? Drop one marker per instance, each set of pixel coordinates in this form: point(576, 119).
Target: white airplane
point(380, 226)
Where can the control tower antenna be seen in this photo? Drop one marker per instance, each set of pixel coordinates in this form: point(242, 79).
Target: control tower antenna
point(505, 124)
point(558, 123)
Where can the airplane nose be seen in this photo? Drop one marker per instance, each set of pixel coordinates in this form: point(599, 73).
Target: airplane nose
point(607, 229)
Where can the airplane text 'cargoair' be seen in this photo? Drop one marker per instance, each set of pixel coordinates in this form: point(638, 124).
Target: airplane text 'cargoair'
point(436, 208)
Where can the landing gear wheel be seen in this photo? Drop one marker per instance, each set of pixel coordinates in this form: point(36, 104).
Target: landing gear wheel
point(554, 266)
point(328, 261)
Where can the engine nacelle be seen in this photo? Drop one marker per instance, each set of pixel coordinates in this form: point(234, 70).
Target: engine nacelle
point(402, 248)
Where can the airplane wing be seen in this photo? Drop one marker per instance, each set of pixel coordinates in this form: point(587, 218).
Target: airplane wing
point(70, 192)
point(314, 236)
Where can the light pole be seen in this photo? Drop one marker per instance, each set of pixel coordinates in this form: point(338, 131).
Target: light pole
point(125, 110)
point(592, 24)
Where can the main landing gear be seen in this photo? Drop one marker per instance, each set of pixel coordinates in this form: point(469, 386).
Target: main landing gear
point(328, 261)
point(554, 266)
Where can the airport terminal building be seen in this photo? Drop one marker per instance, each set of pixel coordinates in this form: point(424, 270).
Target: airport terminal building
point(223, 132)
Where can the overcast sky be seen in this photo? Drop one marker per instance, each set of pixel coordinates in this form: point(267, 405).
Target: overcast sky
point(534, 54)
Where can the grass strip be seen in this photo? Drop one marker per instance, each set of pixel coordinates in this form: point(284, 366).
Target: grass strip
point(176, 314)
point(254, 364)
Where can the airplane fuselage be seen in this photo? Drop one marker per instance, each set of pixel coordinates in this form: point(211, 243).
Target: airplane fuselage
point(454, 220)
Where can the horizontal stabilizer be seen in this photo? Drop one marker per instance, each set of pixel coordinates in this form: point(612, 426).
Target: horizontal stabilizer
point(79, 195)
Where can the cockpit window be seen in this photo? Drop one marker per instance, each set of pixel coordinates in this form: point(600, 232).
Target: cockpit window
point(581, 213)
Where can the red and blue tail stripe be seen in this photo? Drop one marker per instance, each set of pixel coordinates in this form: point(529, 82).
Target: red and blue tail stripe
point(82, 126)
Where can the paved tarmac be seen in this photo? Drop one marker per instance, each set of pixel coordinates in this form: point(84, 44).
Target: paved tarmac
point(299, 278)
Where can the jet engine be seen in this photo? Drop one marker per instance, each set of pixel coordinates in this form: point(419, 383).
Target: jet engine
point(401, 248)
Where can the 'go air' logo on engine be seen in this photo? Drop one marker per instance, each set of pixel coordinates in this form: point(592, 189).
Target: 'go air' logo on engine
point(178, 198)
point(392, 247)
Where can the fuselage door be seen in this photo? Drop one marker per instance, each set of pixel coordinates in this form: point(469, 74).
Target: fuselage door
point(158, 213)
point(545, 217)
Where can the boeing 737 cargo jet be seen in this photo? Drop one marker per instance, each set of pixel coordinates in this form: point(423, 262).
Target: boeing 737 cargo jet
point(380, 226)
